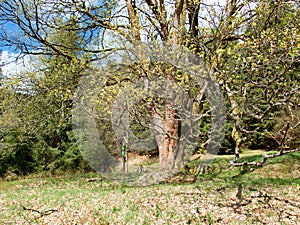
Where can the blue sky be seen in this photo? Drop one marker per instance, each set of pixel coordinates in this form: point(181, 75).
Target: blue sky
point(9, 53)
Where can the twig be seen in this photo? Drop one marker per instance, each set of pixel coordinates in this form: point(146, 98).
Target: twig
point(42, 213)
point(292, 203)
point(284, 137)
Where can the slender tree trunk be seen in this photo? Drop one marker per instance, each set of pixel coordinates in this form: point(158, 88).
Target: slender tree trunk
point(235, 134)
point(134, 20)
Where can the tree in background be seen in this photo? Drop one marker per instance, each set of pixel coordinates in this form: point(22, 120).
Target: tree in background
point(257, 62)
point(37, 117)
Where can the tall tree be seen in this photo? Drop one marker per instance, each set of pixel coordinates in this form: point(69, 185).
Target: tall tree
point(37, 117)
point(255, 63)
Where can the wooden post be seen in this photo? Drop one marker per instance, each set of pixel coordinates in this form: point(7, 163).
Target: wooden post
point(124, 160)
point(127, 160)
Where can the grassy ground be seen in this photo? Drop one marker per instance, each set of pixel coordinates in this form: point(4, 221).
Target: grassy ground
point(268, 195)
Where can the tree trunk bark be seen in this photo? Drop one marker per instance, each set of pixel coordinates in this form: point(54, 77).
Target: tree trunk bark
point(134, 20)
point(169, 150)
point(236, 115)
point(167, 137)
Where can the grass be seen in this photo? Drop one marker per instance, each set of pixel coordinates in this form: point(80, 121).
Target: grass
point(270, 195)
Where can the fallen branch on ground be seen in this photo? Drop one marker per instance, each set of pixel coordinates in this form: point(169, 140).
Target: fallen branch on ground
point(265, 158)
point(41, 213)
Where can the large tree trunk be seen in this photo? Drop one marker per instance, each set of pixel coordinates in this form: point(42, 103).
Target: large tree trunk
point(167, 137)
point(168, 152)
point(166, 126)
point(169, 144)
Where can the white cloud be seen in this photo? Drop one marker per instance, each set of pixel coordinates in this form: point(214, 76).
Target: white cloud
point(11, 65)
point(220, 2)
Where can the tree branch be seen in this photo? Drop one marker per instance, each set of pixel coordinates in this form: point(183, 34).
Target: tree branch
point(265, 158)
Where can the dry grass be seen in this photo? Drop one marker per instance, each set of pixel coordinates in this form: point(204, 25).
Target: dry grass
point(210, 200)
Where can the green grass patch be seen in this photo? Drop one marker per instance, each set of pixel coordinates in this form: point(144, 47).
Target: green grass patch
point(87, 199)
